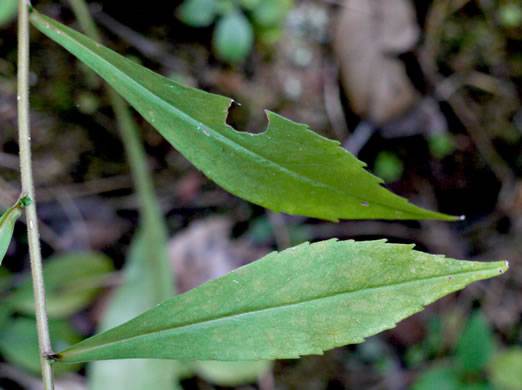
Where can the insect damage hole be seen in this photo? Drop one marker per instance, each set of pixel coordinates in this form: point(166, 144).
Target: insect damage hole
point(244, 120)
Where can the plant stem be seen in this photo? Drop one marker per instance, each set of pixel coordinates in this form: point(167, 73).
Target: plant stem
point(127, 126)
point(152, 220)
point(44, 340)
point(81, 12)
point(153, 224)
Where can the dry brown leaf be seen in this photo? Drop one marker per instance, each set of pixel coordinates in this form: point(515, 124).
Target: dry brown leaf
point(370, 34)
point(204, 252)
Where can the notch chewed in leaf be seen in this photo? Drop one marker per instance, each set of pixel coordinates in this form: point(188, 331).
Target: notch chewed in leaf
point(287, 168)
point(304, 300)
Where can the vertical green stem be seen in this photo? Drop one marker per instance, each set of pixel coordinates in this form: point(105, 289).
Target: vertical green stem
point(152, 224)
point(137, 158)
point(28, 188)
point(81, 12)
point(127, 126)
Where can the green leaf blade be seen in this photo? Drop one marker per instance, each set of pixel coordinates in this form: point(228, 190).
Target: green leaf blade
point(142, 288)
point(198, 13)
point(72, 281)
point(302, 301)
point(505, 369)
point(19, 343)
point(231, 374)
point(233, 37)
point(476, 344)
point(287, 168)
point(436, 378)
point(8, 10)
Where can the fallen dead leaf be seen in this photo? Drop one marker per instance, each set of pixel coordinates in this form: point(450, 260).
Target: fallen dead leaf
point(370, 35)
point(204, 251)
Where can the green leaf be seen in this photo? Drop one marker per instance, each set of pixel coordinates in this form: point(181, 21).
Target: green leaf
point(441, 145)
point(233, 37)
point(198, 13)
point(7, 222)
point(140, 290)
point(476, 344)
point(72, 281)
point(19, 343)
point(301, 301)
point(249, 4)
point(505, 369)
point(270, 13)
point(287, 168)
point(476, 386)
point(231, 373)
point(5, 313)
point(388, 166)
point(438, 378)
point(269, 35)
point(510, 15)
point(8, 10)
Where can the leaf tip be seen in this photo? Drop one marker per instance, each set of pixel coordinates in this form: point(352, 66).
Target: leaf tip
point(449, 218)
point(503, 267)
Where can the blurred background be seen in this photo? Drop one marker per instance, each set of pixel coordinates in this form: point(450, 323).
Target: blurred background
point(427, 93)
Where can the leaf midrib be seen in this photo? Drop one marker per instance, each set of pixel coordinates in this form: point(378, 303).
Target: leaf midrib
point(288, 305)
point(227, 141)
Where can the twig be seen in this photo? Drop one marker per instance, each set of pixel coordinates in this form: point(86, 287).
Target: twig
point(447, 90)
point(88, 188)
point(463, 108)
point(359, 137)
point(75, 216)
point(44, 340)
point(332, 103)
point(281, 233)
point(148, 47)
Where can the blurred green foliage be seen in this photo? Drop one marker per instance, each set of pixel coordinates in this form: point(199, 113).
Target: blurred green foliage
point(19, 343)
point(437, 378)
point(231, 373)
point(431, 345)
point(262, 231)
point(8, 10)
point(476, 345)
point(233, 37)
point(505, 369)
point(441, 145)
point(73, 281)
point(475, 363)
point(198, 13)
point(388, 166)
point(236, 23)
point(510, 15)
